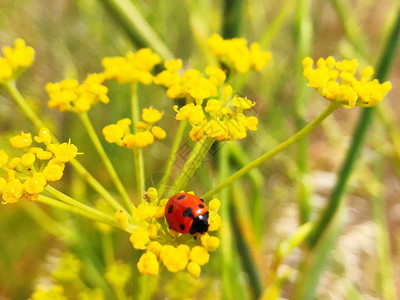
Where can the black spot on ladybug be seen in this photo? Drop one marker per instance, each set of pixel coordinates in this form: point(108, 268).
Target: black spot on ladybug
point(201, 205)
point(181, 197)
point(182, 227)
point(202, 200)
point(188, 213)
point(170, 209)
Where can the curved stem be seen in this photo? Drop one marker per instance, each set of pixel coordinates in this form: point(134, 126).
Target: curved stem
point(172, 157)
point(138, 153)
point(14, 92)
point(110, 168)
point(265, 157)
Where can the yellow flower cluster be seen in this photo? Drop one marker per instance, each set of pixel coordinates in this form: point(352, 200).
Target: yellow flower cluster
point(15, 60)
point(133, 67)
point(349, 91)
point(235, 54)
point(121, 135)
point(55, 292)
point(192, 84)
point(118, 274)
point(174, 250)
point(70, 95)
point(223, 122)
point(27, 175)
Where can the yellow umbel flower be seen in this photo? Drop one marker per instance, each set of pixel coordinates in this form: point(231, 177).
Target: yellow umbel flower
point(174, 250)
point(235, 54)
point(27, 175)
point(133, 67)
point(15, 60)
point(55, 292)
point(118, 274)
point(121, 135)
point(70, 95)
point(336, 81)
point(68, 269)
point(224, 121)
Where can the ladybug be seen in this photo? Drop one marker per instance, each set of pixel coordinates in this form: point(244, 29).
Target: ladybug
point(187, 213)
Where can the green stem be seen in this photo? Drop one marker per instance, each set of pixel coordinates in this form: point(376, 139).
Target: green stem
point(108, 249)
point(192, 164)
point(172, 157)
point(132, 21)
point(14, 92)
point(276, 25)
point(137, 151)
point(232, 18)
point(303, 36)
point(109, 166)
point(384, 64)
point(265, 157)
point(248, 263)
point(352, 30)
point(385, 263)
point(76, 210)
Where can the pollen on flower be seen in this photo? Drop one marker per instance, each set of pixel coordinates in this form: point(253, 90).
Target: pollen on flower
point(336, 81)
point(165, 246)
point(27, 175)
point(15, 60)
point(70, 95)
point(121, 135)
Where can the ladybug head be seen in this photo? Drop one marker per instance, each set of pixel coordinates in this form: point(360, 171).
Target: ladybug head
point(200, 224)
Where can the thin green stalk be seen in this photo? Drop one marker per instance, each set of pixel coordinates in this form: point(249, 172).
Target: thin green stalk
point(225, 231)
point(172, 157)
point(232, 18)
point(248, 263)
point(384, 64)
point(14, 92)
point(276, 25)
point(108, 248)
point(46, 222)
point(386, 273)
point(109, 166)
point(303, 36)
point(192, 164)
point(265, 157)
point(132, 21)
point(352, 30)
point(90, 211)
point(75, 210)
point(137, 151)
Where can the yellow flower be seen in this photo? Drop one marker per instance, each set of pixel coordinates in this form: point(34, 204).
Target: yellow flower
point(174, 259)
point(55, 292)
point(348, 91)
point(235, 54)
point(12, 191)
point(194, 269)
point(133, 67)
point(27, 159)
point(3, 158)
point(64, 152)
point(151, 115)
point(199, 255)
point(140, 238)
point(21, 141)
point(70, 95)
point(118, 274)
point(15, 60)
point(122, 218)
point(155, 248)
point(211, 243)
point(148, 264)
point(43, 136)
point(113, 133)
point(68, 268)
point(158, 132)
point(53, 172)
point(173, 65)
point(35, 184)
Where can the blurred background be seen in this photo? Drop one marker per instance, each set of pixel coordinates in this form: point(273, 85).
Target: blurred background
point(71, 38)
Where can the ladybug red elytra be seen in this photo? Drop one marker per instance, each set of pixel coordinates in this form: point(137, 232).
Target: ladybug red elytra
point(187, 213)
